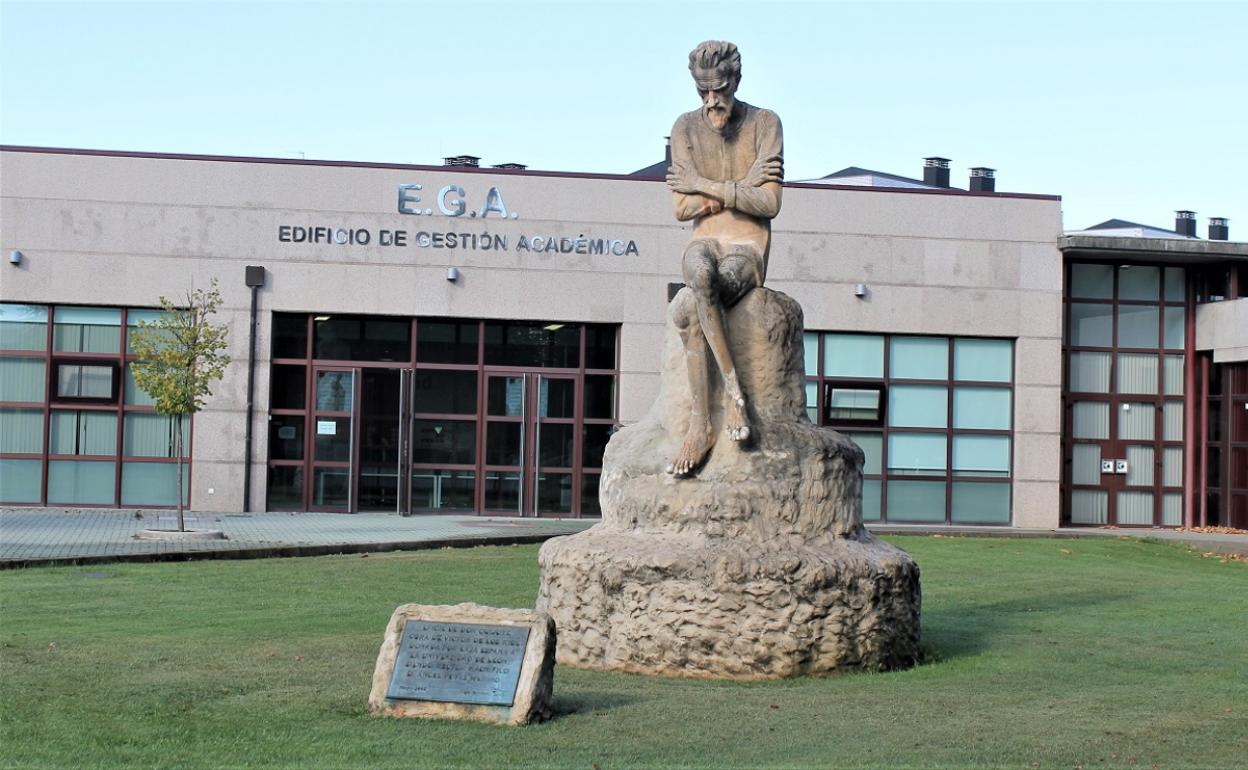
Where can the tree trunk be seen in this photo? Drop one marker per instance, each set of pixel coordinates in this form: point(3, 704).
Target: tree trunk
point(177, 444)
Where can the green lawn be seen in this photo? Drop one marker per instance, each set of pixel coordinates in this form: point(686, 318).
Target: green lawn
point(1040, 653)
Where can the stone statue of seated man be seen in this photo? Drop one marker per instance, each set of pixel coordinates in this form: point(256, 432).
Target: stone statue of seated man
point(726, 173)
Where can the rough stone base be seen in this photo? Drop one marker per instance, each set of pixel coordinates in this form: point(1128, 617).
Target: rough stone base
point(687, 606)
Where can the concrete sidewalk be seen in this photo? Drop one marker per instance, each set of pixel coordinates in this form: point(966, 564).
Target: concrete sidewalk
point(33, 536)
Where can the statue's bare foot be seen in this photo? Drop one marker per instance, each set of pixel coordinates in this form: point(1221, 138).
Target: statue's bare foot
point(736, 420)
point(698, 441)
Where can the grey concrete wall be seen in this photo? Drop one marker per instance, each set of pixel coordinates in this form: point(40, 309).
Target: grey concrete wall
point(1222, 327)
point(125, 230)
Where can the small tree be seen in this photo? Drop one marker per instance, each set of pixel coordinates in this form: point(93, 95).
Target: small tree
point(178, 358)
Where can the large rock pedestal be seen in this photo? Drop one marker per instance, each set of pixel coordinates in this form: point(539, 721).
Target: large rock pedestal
point(758, 566)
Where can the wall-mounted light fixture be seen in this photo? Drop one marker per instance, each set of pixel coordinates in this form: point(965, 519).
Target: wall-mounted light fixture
point(452, 274)
point(15, 257)
point(860, 290)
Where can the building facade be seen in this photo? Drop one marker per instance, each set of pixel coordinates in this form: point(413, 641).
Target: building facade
point(457, 339)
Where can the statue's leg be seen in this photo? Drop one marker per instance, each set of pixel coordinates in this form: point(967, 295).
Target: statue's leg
point(708, 285)
point(698, 270)
point(737, 275)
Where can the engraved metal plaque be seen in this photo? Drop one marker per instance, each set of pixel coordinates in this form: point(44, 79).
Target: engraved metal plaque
point(458, 662)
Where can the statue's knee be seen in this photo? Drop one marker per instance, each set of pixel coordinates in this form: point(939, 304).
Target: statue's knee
point(684, 310)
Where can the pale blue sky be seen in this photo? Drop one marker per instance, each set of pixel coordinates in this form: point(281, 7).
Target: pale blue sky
point(1127, 110)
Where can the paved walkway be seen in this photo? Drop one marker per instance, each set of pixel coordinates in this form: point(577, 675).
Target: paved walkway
point(30, 536)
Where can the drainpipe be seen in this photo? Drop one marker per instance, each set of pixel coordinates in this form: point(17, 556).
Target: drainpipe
point(254, 280)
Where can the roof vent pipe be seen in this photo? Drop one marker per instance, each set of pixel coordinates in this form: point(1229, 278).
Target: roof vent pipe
point(1185, 223)
point(1218, 230)
point(936, 172)
point(983, 179)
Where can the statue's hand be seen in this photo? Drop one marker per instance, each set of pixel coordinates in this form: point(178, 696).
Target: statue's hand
point(764, 170)
point(683, 179)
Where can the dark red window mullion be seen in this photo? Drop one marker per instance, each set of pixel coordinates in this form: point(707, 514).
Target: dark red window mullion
point(578, 427)
point(949, 432)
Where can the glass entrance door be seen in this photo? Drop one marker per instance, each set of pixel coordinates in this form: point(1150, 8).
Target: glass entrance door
point(333, 439)
point(530, 444)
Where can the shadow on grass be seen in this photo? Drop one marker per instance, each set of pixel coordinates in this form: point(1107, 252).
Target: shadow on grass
point(590, 704)
point(972, 628)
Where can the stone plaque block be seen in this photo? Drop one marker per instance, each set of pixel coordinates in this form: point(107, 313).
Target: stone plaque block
point(465, 662)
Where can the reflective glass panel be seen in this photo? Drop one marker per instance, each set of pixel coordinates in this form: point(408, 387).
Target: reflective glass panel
point(853, 404)
point(554, 492)
point(444, 391)
point(152, 435)
point(84, 381)
point(290, 336)
point(285, 492)
point(136, 316)
point(288, 386)
point(134, 395)
point(502, 491)
point(361, 338)
point(1090, 419)
point(589, 495)
point(1091, 325)
point(21, 481)
point(871, 499)
point(22, 379)
point(981, 456)
point(21, 431)
point(1085, 466)
point(810, 353)
point(1172, 421)
point(1176, 288)
point(75, 432)
point(1140, 460)
point(454, 442)
point(1092, 281)
point(1136, 421)
point(872, 445)
point(23, 327)
point(916, 501)
point(335, 391)
point(556, 397)
point(331, 487)
point(1089, 372)
point(286, 437)
point(554, 442)
point(443, 490)
point(1137, 373)
point(1174, 376)
point(600, 346)
point(87, 330)
point(447, 342)
point(505, 397)
point(77, 481)
point(983, 360)
point(981, 408)
point(1137, 326)
point(594, 443)
point(600, 396)
point(918, 406)
point(1139, 282)
point(1135, 508)
point(812, 402)
point(919, 358)
point(502, 443)
point(978, 503)
point(853, 355)
point(917, 454)
point(1089, 506)
point(153, 484)
point(332, 442)
point(515, 343)
point(1175, 328)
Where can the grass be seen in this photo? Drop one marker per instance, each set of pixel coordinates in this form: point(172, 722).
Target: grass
point(1040, 653)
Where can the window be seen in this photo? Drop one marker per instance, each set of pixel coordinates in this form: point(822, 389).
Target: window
point(105, 444)
point(933, 416)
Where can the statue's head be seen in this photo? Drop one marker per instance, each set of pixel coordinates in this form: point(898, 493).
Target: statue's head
point(716, 69)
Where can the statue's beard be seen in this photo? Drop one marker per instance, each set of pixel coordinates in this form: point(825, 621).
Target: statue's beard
point(717, 117)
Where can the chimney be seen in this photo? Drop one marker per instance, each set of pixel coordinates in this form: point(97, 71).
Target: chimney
point(936, 172)
point(983, 179)
point(1185, 223)
point(466, 161)
point(667, 150)
point(512, 166)
point(1218, 230)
